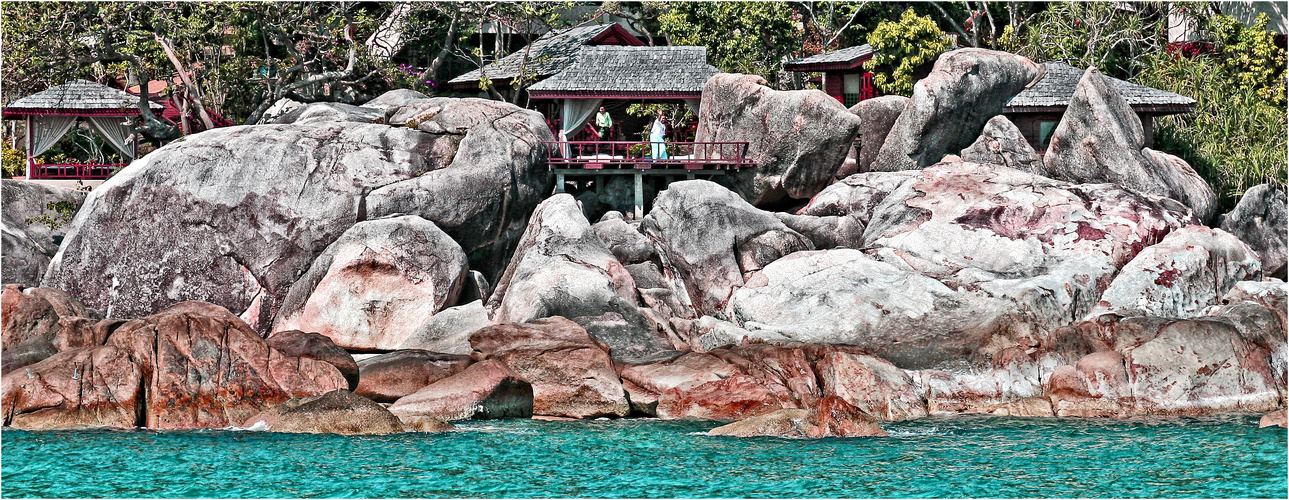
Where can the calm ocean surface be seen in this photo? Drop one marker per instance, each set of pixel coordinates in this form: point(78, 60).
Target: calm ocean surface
point(960, 457)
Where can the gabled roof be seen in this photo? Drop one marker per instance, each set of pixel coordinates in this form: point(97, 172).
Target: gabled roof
point(1053, 92)
point(676, 72)
point(77, 96)
point(847, 58)
point(550, 54)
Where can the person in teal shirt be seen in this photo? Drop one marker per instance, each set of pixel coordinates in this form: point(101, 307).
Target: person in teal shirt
point(658, 136)
point(603, 123)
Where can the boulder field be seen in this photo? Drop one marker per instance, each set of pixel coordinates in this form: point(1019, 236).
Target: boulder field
point(330, 273)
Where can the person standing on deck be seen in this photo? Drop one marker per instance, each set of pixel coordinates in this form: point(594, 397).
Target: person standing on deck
point(658, 136)
point(603, 123)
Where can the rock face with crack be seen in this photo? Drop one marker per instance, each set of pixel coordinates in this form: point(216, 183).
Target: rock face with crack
point(1001, 143)
point(233, 216)
point(966, 88)
point(28, 246)
point(378, 282)
point(1100, 139)
point(798, 138)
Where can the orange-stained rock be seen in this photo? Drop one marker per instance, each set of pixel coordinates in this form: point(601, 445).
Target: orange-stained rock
point(830, 417)
point(87, 387)
point(872, 384)
point(38, 322)
point(1274, 419)
point(207, 368)
point(316, 346)
point(336, 412)
point(485, 390)
point(387, 377)
point(731, 398)
point(571, 373)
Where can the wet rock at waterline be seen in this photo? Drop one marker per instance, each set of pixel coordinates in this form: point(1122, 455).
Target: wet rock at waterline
point(388, 377)
point(485, 390)
point(830, 417)
point(336, 412)
point(798, 138)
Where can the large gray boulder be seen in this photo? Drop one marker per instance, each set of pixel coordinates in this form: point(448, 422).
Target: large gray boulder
point(858, 195)
point(710, 238)
point(1100, 139)
point(27, 247)
point(877, 116)
point(1259, 220)
point(562, 268)
point(321, 112)
point(798, 139)
point(491, 183)
point(1001, 143)
point(376, 284)
point(950, 106)
point(1179, 277)
point(235, 215)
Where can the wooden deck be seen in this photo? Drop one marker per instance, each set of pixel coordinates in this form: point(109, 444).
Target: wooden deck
point(600, 159)
point(72, 171)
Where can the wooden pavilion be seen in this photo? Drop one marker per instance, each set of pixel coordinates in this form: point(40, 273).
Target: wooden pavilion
point(844, 77)
point(50, 114)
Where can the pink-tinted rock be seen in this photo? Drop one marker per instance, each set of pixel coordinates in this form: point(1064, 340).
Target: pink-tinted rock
point(732, 398)
point(87, 387)
point(951, 105)
point(388, 377)
point(300, 344)
point(1100, 139)
point(1001, 143)
point(571, 373)
point(372, 287)
point(829, 417)
point(485, 390)
point(1274, 419)
point(1260, 220)
point(872, 384)
point(787, 372)
point(1191, 269)
point(35, 323)
point(207, 368)
point(687, 371)
point(711, 238)
point(336, 412)
point(798, 139)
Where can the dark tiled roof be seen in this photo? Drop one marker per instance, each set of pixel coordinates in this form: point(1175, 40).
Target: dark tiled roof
point(547, 55)
point(79, 95)
point(624, 68)
point(1057, 86)
point(837, 56)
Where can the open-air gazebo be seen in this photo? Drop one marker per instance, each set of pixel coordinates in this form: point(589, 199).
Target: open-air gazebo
point(50, 114)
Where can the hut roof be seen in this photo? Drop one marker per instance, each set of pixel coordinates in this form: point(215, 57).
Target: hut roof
point(847, 58)
point(668, 71)
point(550, 54)
point(1057, 86)
point(76, 96)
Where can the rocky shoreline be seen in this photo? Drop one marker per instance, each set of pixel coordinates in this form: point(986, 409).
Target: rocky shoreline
point(401, 265)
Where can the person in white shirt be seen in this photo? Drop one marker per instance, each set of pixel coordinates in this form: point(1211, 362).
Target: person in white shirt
point(658, 136)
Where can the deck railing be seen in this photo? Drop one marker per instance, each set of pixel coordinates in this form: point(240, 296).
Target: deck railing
point(630, 154)
point(72, 171)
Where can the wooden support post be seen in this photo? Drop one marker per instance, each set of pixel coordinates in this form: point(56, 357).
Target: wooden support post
point(31, 159)
point(639, 196)
point(599, 183)
point(559, 183)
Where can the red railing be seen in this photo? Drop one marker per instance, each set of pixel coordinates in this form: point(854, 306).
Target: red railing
point(72, 171)
point(628, 154)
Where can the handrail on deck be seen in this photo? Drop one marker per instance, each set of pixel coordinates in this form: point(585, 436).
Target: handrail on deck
point(593, 154)
point(72, 171)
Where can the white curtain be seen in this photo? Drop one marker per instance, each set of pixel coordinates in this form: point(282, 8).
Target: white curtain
point(693, 105)
point(117, 133)
point(46, 130)
point(576, 113)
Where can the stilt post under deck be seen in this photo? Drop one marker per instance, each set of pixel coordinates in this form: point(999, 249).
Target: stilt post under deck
point(639, 196)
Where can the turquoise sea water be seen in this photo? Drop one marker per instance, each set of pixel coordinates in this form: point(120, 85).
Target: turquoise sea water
point(960, 457)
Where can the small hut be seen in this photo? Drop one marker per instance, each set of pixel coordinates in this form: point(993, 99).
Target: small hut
point(50, 114)
point(844, 77)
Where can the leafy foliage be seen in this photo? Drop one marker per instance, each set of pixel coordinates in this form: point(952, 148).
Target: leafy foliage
point(1085, 34)
point(903, 51)
point(741, 37)
point(13, 161)
point(63, 213)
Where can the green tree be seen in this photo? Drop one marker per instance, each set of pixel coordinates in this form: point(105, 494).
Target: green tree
point(741, 37)
point(904, 51)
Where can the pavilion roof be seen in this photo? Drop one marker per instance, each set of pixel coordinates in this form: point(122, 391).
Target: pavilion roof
point(76, 96)
point(550, 54)
point(629, 71)
point(1057, 86)
point(847, 58)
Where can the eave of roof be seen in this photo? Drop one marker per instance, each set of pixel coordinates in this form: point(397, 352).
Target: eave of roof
point(841, 59)
point(667, 70)
point(1057, 86)
point(548, 55)
point(76, 97)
